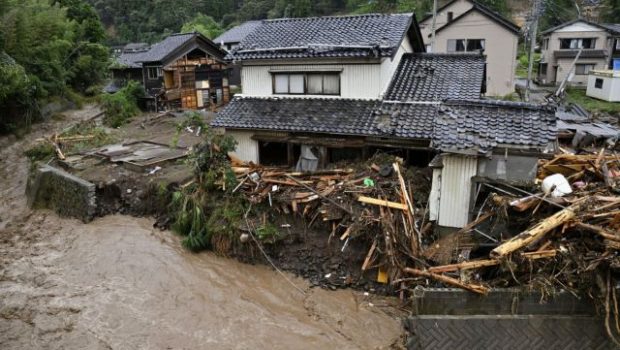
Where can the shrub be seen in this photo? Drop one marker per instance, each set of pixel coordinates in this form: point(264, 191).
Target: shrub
point(122, 106)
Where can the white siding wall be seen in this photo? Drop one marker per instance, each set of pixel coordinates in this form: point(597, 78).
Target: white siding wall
point(610, 90)
point(247, 148)
point(456, 190)
point(356, 80)
point(434, 199)
point(389, 65)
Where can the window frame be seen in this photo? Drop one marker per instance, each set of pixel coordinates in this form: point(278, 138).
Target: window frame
point(593, 66)
point(598, 83)
point(158, 72)
point(579, 43)
point(465, 45)
point(305, 84)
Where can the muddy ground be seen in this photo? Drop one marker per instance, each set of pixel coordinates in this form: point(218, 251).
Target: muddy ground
point(118, 283)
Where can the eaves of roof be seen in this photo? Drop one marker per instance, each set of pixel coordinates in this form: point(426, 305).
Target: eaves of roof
point(495, 17)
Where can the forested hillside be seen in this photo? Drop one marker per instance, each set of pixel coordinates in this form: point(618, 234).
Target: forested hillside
point(47, 48)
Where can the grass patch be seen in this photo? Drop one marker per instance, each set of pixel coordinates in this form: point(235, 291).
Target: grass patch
point(40, 152)
point(522, 64)
point(593, 105)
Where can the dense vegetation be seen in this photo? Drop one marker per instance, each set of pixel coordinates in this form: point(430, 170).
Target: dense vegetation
point(133, 21)
point(48, 48)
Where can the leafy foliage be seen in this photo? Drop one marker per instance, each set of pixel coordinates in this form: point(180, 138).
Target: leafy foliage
point(205, 25)
point(121, 106)
point(46, 49)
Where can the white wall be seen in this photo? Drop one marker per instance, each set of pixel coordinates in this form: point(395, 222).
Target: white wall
point(456, 186)
point(247, 148)
point(368, 79)
point(457, 8)
point(610, 90)
point(500, 49)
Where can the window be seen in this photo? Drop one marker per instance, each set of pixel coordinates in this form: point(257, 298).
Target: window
point(586, 43)
point(465, 45)
point(617, 44)
point(546, 44)
point(450, 16)
point(306, 83)
point(583, 69)
point(598, 83)
point(154, 72)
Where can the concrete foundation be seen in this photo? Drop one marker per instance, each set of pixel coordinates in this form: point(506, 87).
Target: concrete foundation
point(67, 195)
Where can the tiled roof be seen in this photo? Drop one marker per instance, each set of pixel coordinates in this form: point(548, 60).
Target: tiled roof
point(238, 33)
point(163, 48)
point(437, 77)
point(584, 54)
point(370, 35)
point(406, 120)
point(130, 59)
point(313, 115)
point(613, 27)
point(479, 126)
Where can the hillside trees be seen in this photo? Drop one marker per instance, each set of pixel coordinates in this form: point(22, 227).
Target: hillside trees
point(46, 47)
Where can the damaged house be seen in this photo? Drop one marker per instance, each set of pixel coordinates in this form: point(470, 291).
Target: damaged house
point(183, 71)
point(322, 90)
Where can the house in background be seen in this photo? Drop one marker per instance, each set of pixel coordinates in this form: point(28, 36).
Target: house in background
point(560, 45)
point(604, 85)
point(182, 71)
point(467, 26)
point(230, 39)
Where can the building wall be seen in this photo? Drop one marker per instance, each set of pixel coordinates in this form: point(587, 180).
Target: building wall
point(610, 90)
point(456, 187)
point(457, 9)
point(247, 148)
point(500, 49)
point(359, 78)
point(576, 30)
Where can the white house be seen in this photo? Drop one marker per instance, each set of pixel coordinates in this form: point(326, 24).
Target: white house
point(468, 26)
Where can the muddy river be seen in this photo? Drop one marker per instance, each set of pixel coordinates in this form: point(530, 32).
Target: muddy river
point(118, 283)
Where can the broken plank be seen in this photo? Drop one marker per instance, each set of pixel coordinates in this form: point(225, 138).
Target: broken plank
point(476, 288)
point(467, 265)
point(369, 255)
point(381, 202)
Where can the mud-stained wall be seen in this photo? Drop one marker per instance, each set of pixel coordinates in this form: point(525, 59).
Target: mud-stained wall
point(67, 195)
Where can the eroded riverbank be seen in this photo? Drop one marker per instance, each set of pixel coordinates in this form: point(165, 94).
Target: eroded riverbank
point(117, 283)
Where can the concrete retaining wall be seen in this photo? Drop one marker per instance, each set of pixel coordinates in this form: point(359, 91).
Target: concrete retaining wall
point(67, 195)
point(446, 318)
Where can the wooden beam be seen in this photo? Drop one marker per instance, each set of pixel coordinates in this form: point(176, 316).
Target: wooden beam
point(476, 288)
point(383, 203)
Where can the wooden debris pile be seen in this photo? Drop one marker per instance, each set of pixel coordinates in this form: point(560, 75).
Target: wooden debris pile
point(566, 240)
point(374, 204)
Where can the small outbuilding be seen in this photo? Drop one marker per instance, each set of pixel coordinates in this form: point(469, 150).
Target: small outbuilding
point(604, 85)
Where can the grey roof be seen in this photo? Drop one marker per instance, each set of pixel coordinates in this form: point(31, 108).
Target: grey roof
point(163, 48)
point(238, 33)
point(584, 54)
point(479, 126)
point(613, 28)
point(130, 59)
point(437, 77)
point(475, 126)
point(370, 35)
point(596, 129)
point(314, 115)
point(136, 47)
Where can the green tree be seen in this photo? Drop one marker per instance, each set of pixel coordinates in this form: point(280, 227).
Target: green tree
point(611, 11)
point(203, 24)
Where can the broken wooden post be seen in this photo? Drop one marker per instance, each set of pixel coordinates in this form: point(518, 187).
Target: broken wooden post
point(537, 232)
point(476, 288)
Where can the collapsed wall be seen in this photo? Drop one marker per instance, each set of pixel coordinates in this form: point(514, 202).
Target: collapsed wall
point(66, 194)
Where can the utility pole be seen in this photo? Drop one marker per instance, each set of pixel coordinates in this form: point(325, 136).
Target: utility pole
point(433, 26)
point(537, 9)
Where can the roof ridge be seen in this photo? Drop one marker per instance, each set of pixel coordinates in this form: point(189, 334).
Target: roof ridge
point(277, 97)
point(374, 14)
point(500, 103)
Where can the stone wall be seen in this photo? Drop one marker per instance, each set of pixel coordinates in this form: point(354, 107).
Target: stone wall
point(67, 195)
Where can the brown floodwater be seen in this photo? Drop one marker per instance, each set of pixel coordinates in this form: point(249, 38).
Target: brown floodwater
point(118, 283)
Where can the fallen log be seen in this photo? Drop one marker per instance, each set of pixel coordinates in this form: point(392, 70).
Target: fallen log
point(537, 232)
point(476, 288)
point(467, 265)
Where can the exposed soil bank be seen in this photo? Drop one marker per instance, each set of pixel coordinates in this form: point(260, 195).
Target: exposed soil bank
point(117, 283)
